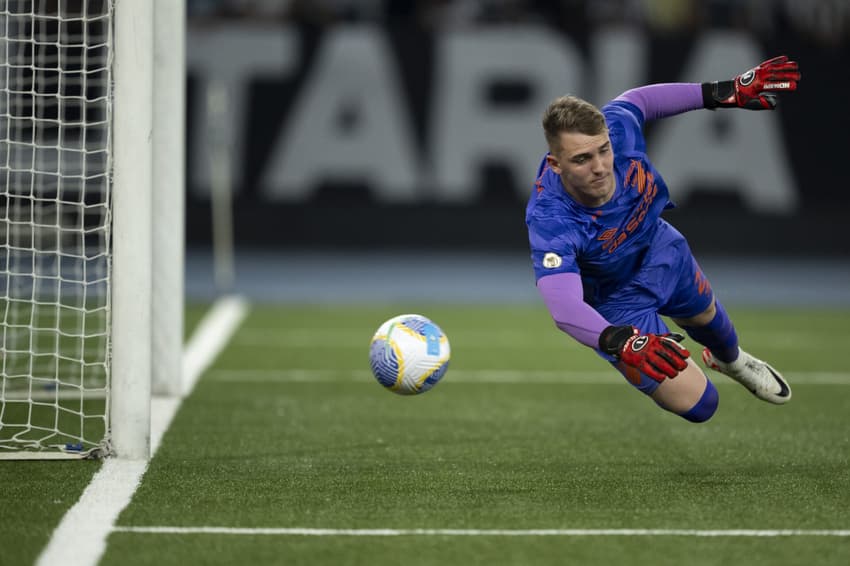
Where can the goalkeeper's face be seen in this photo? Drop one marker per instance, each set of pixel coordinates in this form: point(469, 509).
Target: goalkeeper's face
point(586, 167)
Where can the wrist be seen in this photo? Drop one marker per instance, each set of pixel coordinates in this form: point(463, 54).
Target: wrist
point(718, 94)
point(613, 338)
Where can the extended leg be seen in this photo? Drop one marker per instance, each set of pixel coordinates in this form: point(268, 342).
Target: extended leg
point(714, 330)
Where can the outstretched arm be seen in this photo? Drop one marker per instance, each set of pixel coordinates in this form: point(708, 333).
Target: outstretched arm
point(755, 89)
point(658, 356)
point(665, 99)
point(563, 295)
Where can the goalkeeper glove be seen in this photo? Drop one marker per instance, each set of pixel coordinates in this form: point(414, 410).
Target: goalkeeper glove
point(756, 89)
point(657, 355)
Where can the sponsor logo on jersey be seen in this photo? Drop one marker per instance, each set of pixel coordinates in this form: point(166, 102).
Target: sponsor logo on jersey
point(644, 182)
point(552, 260)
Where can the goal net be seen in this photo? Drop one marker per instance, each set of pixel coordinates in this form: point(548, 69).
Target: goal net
point(78, 258)
point(55, 160)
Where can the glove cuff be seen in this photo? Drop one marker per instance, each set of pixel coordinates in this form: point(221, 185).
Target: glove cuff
point(613, 338)
point(719, 94)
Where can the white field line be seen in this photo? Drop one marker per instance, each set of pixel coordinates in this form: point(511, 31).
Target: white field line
point(80, 538)
point(486, 532)
point(547, 377)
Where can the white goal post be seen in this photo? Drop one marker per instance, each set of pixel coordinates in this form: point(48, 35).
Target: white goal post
point(92, 232)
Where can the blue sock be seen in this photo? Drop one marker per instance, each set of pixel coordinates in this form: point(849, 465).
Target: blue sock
point(718, 335)
point(705, 407)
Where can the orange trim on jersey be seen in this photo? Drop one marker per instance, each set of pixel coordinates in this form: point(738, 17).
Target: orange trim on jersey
point(627, 179)
point(538, 184)
point(644, 181)
point(703, 286)
point(637, 177)
point(607, 234)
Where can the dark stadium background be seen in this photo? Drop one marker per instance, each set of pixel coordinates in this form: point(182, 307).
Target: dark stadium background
point(344, 218)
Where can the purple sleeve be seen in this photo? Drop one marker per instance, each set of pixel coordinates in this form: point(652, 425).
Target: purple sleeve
point(563, 295)
point(666, 99)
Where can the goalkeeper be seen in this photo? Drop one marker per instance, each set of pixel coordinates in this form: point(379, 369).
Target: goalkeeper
point(608, 266)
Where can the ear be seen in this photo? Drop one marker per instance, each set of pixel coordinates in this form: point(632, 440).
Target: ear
point(553, 164)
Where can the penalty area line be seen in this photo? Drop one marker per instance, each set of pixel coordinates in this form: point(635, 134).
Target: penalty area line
point(80, 537)
point(486, 532)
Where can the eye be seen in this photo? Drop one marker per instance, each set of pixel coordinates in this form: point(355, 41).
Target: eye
point(605, 149)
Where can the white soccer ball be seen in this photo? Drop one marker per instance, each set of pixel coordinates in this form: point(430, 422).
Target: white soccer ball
point(409, 354)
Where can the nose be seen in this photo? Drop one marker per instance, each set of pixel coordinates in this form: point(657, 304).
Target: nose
point(596, 164)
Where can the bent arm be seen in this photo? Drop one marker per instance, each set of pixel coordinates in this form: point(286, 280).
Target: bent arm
point(665, 99)
point(562, 293)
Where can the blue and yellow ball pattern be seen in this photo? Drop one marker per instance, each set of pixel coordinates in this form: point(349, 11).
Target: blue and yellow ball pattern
point(409, 354)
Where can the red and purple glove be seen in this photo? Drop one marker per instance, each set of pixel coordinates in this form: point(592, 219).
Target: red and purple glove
point(755, 89)
point(657, 355)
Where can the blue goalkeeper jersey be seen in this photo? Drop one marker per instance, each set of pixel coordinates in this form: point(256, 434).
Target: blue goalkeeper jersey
point(605, 245)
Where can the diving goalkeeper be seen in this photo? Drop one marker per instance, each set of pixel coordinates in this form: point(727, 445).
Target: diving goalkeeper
point(608, 266)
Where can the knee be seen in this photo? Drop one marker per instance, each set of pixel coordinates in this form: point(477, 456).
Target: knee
point(705, 407)
point(701, 319)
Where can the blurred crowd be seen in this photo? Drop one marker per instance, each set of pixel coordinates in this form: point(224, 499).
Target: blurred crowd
point(825, 22)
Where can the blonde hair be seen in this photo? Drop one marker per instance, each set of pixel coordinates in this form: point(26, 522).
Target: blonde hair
point(571, 114)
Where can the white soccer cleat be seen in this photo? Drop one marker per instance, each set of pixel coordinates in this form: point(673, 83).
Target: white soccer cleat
point(759, 377)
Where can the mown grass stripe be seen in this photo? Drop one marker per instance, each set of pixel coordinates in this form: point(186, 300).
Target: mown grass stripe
point(547, 377)
point(485, 532)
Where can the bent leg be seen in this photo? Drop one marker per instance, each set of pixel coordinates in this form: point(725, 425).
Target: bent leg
point(690, 394)
point(713, 329)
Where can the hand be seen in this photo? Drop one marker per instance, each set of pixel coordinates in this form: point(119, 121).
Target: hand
point(755, 89)
point(657, 355)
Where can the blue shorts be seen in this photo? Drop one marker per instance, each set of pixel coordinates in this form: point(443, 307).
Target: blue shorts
point(669, 283)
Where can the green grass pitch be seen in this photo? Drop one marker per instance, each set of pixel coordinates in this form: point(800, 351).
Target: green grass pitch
point(528, 430)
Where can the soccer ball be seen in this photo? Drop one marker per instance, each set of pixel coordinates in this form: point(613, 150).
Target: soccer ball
point(409, 354)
